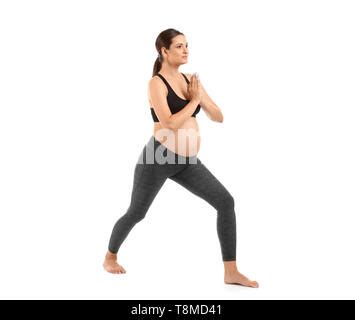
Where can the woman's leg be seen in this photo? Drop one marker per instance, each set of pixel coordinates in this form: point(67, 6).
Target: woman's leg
point(200, 181)
point(146, 185)
point(148, 180)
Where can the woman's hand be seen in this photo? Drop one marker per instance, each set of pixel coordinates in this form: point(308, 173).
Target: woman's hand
point(194, 90)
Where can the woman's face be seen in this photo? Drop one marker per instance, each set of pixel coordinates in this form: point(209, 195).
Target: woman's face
point(178, 51)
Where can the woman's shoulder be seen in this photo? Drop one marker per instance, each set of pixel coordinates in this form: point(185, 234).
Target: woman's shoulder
point(155, 84)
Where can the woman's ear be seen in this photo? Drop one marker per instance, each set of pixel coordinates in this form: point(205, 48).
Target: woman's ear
point(163, 49)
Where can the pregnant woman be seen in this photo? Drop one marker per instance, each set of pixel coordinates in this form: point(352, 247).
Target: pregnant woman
point(171, 153)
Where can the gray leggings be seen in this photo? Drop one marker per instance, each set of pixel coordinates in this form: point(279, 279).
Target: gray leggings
point(189, 172)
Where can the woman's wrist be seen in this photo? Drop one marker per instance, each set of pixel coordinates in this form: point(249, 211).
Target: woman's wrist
point(195, 100)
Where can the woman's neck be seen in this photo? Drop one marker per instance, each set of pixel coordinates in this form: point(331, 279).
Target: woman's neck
point(169, 71)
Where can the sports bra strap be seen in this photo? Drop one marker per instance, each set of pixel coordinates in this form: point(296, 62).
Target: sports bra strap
point(161, 77)
point(167, 83)
point(187, 80)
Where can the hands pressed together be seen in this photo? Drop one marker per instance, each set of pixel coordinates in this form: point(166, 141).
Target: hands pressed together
point(194, 89)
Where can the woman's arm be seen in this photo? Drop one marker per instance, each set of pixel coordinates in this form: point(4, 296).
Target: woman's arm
point(208, 105)
point(158, 94)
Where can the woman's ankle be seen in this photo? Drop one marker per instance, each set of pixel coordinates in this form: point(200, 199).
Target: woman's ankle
point(111, 256)
point(230, 266)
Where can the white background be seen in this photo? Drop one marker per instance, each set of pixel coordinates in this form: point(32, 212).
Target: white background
point(74, 117)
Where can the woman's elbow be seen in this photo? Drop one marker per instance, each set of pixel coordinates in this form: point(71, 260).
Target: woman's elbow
point(169, 124)
point(220, 119)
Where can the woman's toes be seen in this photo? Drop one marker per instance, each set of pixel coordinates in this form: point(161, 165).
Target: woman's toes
point(113, 267)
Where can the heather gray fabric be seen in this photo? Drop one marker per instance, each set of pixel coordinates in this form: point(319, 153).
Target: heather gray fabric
point(189, 172)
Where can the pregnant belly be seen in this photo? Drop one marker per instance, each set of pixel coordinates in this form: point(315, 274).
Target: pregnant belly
point(184, 141)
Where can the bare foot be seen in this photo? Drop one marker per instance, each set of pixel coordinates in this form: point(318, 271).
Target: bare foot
point(236, 277)
point(110, 264)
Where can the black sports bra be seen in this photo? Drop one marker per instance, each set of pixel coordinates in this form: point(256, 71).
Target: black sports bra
point(175, 103)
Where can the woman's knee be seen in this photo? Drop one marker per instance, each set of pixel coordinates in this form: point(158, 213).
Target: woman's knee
point(225, 202)
point(136, 212)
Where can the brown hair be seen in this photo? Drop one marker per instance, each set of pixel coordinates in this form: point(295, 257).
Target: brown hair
point(164, 39)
